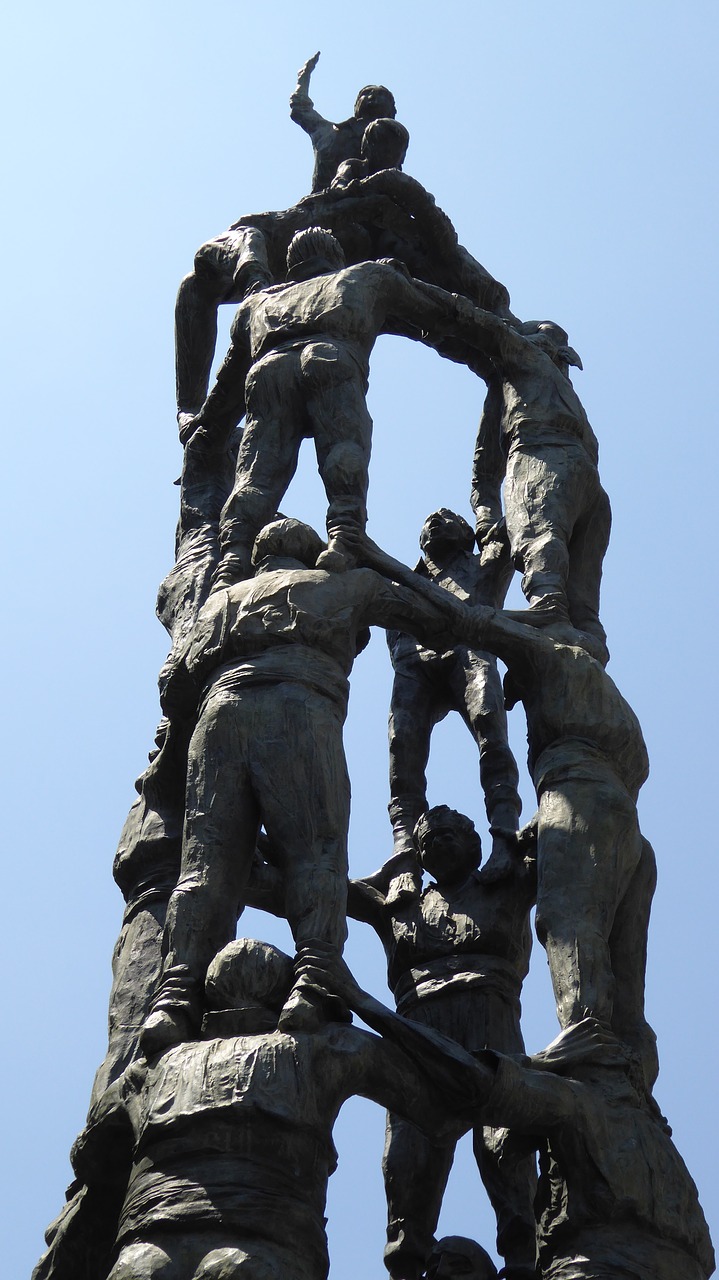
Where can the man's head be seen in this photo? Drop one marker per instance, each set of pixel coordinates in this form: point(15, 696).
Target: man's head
point(384, 144)
point(448, 845)
point(455, 1256)
point(248, 974)
point(444, 532)
point(374, 101)
point(553, 340)
point(289, 541)
point(314, 252)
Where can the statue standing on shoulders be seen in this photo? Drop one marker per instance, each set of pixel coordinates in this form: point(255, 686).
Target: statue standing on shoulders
point(261, 689)
point(332, 144)
point(587, 758)
point(298, 365)
point(427, 685)
point(456, 960)
point(557, 513)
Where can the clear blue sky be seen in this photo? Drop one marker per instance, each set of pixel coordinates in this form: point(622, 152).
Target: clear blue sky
point(574, 147)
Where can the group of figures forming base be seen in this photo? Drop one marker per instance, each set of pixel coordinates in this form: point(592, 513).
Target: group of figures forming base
point(208, 1143)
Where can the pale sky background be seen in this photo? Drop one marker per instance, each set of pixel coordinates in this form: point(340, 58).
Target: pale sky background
point(574, 146)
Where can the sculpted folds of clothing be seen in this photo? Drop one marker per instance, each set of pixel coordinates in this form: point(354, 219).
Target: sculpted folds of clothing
point(608, 1161)
point(541, 407)
point(574, 708)
point(309, 608)
point(493, 924)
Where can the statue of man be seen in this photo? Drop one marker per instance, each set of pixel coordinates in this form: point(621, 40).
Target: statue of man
point(427, 685)
point(614, 1197)
point(456, 960)
point(227, 1141)
point(298, 366)
point(557, 513)
point(262, 688)
point(587, 758)
point(334, 143)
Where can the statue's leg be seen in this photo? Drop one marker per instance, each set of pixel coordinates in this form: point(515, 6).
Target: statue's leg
point(268, 454)
point(413, 713)
point(476, 691)
point(509, 1176)
point(588, 846)
point(220, 833)
point(628, 947)
point(415, 1177)
point(342, 429)
point(300, 777)
point(543, 494)
point(587, 549)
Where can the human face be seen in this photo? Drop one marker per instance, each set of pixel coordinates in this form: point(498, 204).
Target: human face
point(446, 854)
point(374, 102)
point(442, 531)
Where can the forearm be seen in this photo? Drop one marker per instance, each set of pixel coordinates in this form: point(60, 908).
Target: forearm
point(415, 605)
point(452, 1073)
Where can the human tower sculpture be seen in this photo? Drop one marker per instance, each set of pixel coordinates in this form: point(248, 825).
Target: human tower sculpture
point(208, 1144)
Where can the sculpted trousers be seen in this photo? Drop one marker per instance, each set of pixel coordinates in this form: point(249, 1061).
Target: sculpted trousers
point(426, 687)
point(416, 1170)
point(268, 754)
point(593, 871)
point(320, 392)
point(211, 1255)
point(558, 522)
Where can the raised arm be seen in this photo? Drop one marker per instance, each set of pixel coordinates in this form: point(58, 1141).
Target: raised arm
point(225, 405)
point(489, 463)
point(302, 108)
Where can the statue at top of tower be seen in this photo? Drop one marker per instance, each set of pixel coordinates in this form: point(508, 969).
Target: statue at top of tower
point(332, 144)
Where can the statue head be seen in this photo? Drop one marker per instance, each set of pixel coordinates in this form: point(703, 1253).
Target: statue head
point(384, 144)
point(553, 340)
point(247, 974)
point(448, 845)
point(444, 532)
point(287, 540)
point(457, 1256)
point(314, 252)
point(374, 101)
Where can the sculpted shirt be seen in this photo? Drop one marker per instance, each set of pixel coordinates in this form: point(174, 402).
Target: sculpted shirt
point(294, 624)
point(237, 1132)
point(608, 1167)
point(576, 717)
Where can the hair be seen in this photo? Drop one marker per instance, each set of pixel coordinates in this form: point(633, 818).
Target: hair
point(247, 972)
point(289, 538)
point(469, 1249)
point(315, 242)
point(390, 96)
point(466, 529)
point(450, 818)
point(390, 129)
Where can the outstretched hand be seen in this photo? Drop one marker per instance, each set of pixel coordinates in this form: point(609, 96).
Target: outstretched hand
point(304, 73)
